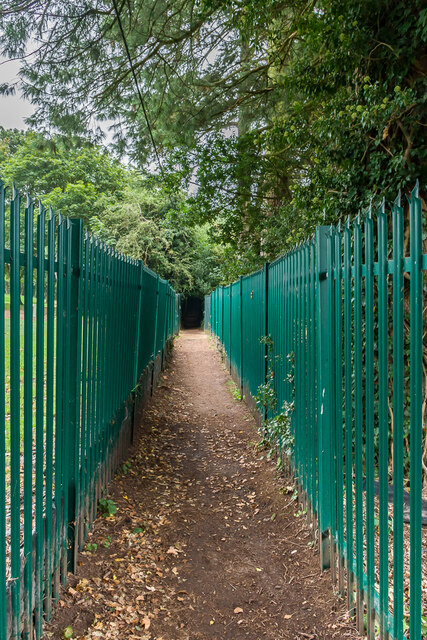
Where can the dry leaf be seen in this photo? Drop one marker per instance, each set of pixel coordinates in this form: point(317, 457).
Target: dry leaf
point(146, 622)
point(82, 585)
point(238, 610)
point(172, 551)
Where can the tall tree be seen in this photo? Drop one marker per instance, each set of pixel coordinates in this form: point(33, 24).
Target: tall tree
point(129, 210)
point(70, 174)
point(333, 95)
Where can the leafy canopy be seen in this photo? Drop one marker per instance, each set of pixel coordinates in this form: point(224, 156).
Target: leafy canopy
point(284, 113)
point(128, 210)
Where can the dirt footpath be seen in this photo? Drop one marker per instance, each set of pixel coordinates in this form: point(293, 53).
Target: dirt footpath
point(206, 543)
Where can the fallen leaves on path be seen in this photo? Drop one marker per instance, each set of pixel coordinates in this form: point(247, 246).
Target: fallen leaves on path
point(202, 546)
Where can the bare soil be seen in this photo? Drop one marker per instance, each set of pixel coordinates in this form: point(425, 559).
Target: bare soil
point(206, 543)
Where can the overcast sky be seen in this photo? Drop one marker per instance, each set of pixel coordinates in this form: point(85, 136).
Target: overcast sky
point(13, 109)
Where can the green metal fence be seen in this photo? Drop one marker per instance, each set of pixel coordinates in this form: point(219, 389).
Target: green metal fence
point(79, 324)
point(344, 312)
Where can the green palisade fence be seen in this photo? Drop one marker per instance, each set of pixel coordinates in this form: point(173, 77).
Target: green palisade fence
point(83, 336)
point(344, 314)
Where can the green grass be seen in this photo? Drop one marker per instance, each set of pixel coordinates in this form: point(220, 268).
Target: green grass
point(7, 301)
point(21, 375)
point(234, 390)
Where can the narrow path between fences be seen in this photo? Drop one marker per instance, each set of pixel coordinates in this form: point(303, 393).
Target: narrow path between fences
point(207, 542)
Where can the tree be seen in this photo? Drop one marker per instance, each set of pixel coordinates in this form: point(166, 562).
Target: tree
point(73, 176)
point(346, 122)
point(126, 209)
point(331, 95)
point(149, 224)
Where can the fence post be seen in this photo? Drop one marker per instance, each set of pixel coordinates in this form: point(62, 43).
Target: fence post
point(136, 372)
point(164, 341)
point(222, 323)
point(325, 429)
point(241, 338)
point(230, 325)
point(156, 316)
point(72, 394)
point(266, 354)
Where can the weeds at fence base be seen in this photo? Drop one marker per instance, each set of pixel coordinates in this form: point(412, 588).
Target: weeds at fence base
point(107, 508)
point(275, 431)
point(235, 391)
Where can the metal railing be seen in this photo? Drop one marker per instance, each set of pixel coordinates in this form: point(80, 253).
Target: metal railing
point(79, 324)
point(343, 313)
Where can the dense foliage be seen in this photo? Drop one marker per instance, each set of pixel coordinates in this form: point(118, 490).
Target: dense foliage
point(345, 121)
point(148, 224)
point(73, 177)
point(285, 113)
point(129, 211)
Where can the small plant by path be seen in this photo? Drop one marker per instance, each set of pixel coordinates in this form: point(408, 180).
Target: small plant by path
point(107, 507)
point(276, 432)
point(234, 390)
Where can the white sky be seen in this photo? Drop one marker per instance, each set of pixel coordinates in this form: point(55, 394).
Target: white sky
point(13, 109)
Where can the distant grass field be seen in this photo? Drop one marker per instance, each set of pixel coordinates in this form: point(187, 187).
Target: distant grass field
point(21, 375)
point(7, 301)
